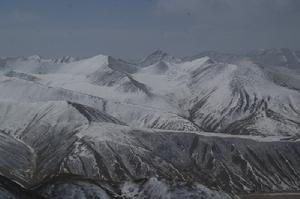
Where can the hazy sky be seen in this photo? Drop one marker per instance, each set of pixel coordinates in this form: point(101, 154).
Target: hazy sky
point(133, 28)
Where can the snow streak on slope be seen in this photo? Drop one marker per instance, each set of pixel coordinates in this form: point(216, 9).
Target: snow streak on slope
point(104, 127)
point(69, 187)
point(48, 137)
point(239, 98)
point(102, 149)
point(44, 132)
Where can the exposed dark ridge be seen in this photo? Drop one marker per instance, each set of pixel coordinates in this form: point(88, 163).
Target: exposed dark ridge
point(106, 78)
point(161, 67)
point(238, 127)
point(24, 76)
point(190, 118)
point(194, 144)
point(121, 65)
point(261, 163)
point(109, 187)
point(63, 90)
point(288, 165)
point(121, 170)
point(16, 191)
point(277, 81)
point(119, 70)
point(278, 117)
point(275, 57)
point(140, 86)
point(156, 57)
point(94, 115)
point(105, 174)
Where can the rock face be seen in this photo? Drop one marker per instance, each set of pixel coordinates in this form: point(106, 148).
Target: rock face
point(11, 190)
point(73, 187)
point(58, 138)
point(234, 94)
point(81, 141)
point(228, 163)
point(164, 127)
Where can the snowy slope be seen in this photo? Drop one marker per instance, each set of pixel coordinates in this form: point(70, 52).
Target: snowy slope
point(71, 187)
point(37, 136)
point(103, 149)
point(216, 95)
point(163, 127)
point(167, 93)
point(39, 139)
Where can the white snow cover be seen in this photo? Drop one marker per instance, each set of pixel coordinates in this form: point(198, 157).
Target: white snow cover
point(49, 113)
point(178, 95)
point(106, 119)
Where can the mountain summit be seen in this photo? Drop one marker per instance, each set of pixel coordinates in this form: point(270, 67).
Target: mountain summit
point(106, 127)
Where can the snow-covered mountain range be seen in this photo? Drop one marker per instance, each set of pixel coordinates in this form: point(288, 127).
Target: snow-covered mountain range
point(162, 127)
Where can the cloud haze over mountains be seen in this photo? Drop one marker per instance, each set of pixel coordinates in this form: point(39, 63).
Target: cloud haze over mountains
point(213, 112)
point(78, 28)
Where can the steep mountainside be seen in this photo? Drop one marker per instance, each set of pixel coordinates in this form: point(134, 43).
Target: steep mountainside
point(247, 96)
point(163, 127)
point(60, 138)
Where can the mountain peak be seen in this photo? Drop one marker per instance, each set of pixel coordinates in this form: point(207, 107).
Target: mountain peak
point(34, 57)
point(66, 59)
point(157, 56)
point(276, 57)
point(159, 52)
